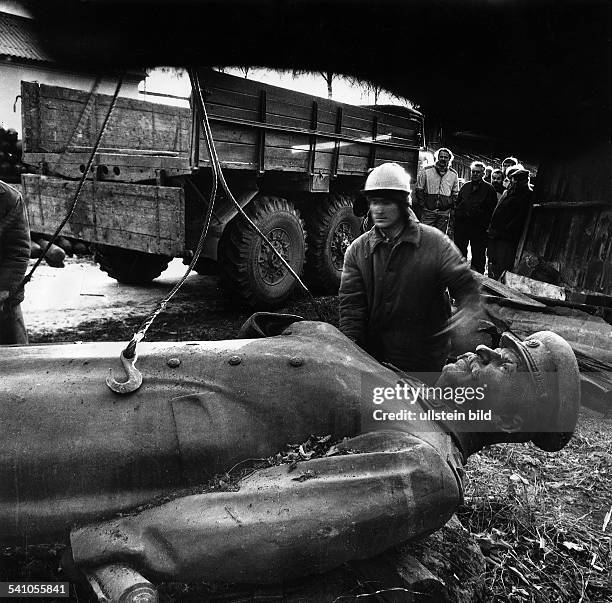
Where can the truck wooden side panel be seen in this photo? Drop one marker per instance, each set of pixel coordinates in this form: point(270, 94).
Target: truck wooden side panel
point(131, 216)
point(255, 127)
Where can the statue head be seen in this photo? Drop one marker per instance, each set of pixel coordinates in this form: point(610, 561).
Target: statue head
point(532, 386)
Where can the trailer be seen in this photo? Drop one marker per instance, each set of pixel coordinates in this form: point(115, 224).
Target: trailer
point(294, 162)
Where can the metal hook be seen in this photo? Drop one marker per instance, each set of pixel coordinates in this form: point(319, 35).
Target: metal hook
point(134, 376)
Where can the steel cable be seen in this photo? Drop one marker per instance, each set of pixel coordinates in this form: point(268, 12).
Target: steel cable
point(218, 177)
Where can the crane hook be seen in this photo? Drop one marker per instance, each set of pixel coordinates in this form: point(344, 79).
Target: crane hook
point(134, 376)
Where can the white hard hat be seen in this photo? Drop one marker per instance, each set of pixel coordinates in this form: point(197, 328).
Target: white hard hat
point(388, 176)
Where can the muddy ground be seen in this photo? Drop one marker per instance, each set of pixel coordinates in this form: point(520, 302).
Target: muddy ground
point(542, 520)
point(81, 303)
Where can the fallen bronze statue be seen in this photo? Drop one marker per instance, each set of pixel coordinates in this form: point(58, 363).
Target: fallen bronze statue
point(81, 463)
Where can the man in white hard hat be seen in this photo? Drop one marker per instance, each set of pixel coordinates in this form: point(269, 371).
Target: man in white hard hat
point(436, 190)
point(393, 290)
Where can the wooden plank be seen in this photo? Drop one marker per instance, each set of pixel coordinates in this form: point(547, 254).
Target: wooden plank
point(229, 152)
point(81, 97)
point(597, 275)
point(231, 112)
point(213, 80)
point(348, 164)
point(532, 287)
point(507, 292)
point(150, 127)
point(143, 124)
point(298, 104)
point(140, 217)
point(576, 242)
point(137, 130)
point(30, 116)
point(567, 246)
point(382, 143)
point(119, 167)
point(135, 168)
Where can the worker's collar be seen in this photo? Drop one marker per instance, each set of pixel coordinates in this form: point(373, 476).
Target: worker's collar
point(410, 234)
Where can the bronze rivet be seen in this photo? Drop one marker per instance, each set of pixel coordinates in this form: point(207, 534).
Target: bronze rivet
point(174, 362)
point(296, 361)
point(234, 360)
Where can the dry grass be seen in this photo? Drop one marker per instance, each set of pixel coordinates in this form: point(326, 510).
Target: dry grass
point(539, 517)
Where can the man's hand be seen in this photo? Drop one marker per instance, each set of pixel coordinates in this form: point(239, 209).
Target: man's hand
point(469, 329)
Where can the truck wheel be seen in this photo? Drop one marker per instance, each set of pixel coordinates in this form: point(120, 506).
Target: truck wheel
point(128, 266)
point(332, 227)
point(248, 266)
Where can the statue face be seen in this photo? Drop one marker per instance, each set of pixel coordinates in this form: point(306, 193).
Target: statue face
point(483, 366)
point(497, 370)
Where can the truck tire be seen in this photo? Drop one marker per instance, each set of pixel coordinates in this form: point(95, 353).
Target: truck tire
point(253, 273)
point(128, 266)
point(331, 228)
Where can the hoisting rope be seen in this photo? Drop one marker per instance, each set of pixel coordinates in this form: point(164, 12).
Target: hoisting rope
point(217, 177)
point(195, 85)
point(28, 277)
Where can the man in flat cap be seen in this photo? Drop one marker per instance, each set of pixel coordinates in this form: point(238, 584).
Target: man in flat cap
point(508, 222)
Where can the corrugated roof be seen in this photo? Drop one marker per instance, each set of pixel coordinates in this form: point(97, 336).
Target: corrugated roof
point(18, 39)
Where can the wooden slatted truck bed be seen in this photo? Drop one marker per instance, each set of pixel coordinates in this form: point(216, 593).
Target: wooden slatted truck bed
point(295, 162)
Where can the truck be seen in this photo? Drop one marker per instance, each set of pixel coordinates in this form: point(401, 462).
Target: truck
point(294, 162)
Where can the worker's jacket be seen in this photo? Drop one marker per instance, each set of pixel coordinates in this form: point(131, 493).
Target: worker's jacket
point(435, 191)
point(14, 242)
point(510, 215)
point(475, 203)
point(393, 299)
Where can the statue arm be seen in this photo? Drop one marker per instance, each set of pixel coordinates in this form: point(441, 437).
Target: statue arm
point(283, 524)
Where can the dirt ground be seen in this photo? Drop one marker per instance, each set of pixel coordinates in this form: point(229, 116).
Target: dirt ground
point(542, 520)
point(81, 303)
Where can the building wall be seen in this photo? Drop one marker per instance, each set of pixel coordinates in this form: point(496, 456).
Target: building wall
point(11, 74)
